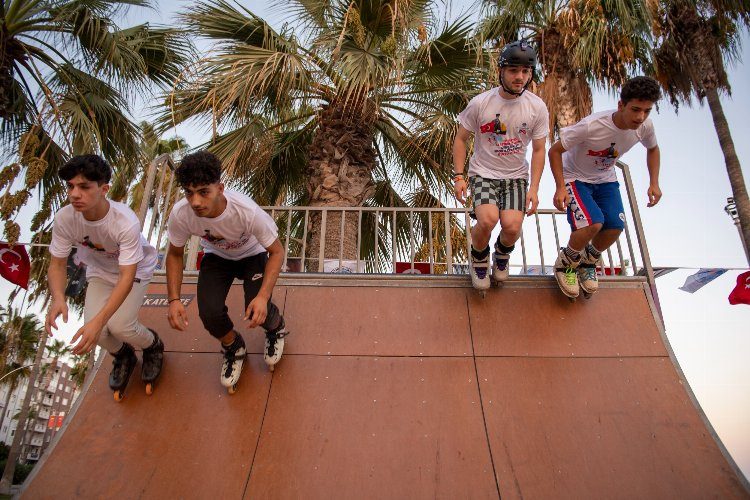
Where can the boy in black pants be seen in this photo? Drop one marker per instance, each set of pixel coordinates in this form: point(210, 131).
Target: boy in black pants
point(240, 241)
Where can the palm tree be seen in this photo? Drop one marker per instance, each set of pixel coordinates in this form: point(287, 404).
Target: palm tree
point(359, 111)
point(15, 449)
point(86, 70)
point(17, 337)
point(80, 368)
point(694, 37)
point(579, 43)
point(151, 146)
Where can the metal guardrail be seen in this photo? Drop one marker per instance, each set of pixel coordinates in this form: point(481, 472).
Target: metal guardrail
point(427, 240)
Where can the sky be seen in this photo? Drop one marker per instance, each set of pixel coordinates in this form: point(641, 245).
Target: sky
point(687, 229)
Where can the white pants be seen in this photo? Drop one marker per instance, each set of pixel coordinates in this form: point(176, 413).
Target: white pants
point(123, 326)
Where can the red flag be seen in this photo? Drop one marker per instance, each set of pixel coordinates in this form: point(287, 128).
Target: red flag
point(14, 264)
point(741, 292)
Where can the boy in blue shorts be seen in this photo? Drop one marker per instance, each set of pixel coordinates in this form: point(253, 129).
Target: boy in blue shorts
point(583, 164)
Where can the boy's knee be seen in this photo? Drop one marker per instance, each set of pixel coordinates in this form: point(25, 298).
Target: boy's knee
point(119, 327)
point(216, 321)
point(487, 222)
point(512, 231)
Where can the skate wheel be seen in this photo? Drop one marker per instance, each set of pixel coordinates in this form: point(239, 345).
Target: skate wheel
point(118, 395)
point(149, 389)
point(587, 296)
point(232, 389)
point(271, 367)
point(572, 299)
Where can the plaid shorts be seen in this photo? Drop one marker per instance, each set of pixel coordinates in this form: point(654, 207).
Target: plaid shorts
point(507, 194)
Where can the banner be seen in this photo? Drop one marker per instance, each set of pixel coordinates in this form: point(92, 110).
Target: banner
point(14, 264)
point(700, 279)
point(406, 268)
point(343, 267)
point(741, 292)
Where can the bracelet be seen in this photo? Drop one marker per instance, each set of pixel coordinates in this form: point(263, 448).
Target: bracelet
point(172, 300)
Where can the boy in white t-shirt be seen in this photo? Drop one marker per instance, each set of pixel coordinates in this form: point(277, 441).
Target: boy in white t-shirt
point(504, 121)
point(583, 164)
point(119, 266)
point(241, 242)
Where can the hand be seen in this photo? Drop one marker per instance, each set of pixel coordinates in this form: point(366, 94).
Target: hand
point(177, 315)
point(654, 195)
point(459, 188)
point(55, 309)
point(532, 201)
point(88, 335)
point(561, 198)
point(256, 312)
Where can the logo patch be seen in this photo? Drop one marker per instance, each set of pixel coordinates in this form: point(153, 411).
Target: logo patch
point(257, 276)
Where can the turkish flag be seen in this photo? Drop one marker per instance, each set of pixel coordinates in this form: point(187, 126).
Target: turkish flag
point(14, 264)
point(741, 292)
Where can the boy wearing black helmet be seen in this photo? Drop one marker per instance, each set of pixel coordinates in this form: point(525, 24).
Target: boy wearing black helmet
point(582, 162)
point(503, 120)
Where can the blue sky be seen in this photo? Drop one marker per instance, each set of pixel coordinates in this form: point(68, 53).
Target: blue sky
point(688, 229)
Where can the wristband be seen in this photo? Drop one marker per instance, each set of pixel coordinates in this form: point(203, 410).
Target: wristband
point(172, 300)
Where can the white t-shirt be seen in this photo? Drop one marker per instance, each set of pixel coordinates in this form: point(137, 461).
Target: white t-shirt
point(593, 145)
point(105, 244)
point(242, 230)
point(502, 131)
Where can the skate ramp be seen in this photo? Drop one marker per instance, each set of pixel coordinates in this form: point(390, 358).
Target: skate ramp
point(405, 388)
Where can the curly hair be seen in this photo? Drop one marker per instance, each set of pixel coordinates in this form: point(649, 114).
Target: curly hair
point(93, 167)
point(640, 87)
point(198, 169)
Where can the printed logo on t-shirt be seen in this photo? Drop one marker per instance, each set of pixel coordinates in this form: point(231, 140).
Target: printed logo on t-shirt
point(496, 131)
point(523, 129)
point(220, 242)
point(86, 242)
point(495, 127)
point(604, 158)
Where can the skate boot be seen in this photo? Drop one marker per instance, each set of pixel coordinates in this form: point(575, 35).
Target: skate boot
point(587, 279)
point(153, 358)
point(566, 275)
point(480, 266)
point(231, 368)
point(274, 346)
point(122, 367)
point(500, 269)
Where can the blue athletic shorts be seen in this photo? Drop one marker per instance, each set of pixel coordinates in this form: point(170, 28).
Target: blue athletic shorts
point(595, 204)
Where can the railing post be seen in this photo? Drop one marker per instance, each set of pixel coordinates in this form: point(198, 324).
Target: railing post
point(640, 235)
point(151, 176)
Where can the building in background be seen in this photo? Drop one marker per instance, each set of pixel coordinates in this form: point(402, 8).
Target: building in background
point(52, 401)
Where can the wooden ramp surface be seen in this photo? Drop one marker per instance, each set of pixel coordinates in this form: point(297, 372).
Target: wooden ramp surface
point(405, 392)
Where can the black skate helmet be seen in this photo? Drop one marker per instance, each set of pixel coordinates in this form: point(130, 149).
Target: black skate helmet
point(518, 53)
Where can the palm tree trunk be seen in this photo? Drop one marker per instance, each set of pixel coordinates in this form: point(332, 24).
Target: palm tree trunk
point(15, 449)
point(341, 162)
point(566, 92)
point(7, 400)
point(734, 169)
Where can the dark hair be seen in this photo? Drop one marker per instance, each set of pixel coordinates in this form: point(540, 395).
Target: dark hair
point(198, 169)
point(640, 87)
point(92, 167)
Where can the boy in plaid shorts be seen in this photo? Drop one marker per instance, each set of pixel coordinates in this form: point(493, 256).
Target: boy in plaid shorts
point(504, 120)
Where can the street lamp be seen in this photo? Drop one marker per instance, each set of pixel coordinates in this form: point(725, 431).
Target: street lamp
point(731, 210)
